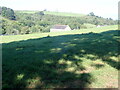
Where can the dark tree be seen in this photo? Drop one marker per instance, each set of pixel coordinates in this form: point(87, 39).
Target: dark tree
point(91, 14)
point(41, 13)
point(0, 10)
point(45, 10)
point(8, 13)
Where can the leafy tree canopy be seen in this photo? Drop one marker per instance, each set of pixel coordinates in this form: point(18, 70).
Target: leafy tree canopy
point(8, 13)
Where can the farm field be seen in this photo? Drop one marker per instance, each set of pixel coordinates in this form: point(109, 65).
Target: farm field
point(26, 11)
point(85, 58)
point(64, 14)
point(54, 13)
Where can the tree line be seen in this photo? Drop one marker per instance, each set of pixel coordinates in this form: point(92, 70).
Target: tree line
point(25, 23)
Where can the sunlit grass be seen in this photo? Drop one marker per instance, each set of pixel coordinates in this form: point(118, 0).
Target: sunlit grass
point(11, 38)
point(64, 14)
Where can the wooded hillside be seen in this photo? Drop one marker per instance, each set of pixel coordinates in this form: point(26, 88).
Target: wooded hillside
point(20, 22)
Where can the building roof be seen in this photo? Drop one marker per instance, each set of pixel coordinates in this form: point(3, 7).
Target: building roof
point(59, 26)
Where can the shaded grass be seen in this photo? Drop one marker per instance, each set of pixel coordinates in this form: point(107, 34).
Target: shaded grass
point(82, 60)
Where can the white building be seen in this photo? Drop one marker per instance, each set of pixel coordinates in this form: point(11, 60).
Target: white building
point(57, 28)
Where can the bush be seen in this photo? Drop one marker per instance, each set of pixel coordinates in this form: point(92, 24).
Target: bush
point(15, 32)
point(47, 29)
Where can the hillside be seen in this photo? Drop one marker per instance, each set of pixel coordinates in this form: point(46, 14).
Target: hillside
point(34, 57)
point(26, 11)
point(52, 13)
point(27, 22)
point(64, 14)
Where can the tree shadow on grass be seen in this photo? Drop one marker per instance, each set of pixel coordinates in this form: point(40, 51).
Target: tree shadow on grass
point(52, 62)
point(97, 66)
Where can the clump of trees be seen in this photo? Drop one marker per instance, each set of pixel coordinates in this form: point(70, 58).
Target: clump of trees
point(25, 23)
point(91, 14)
point(7, 12)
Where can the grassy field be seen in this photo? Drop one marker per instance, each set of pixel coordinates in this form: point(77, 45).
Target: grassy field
point(64, 14)
point(6, 39)
point(25, 11)
point(81, 58)
point(53, 13)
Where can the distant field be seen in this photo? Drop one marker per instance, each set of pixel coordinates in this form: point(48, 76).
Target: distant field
point(64, 14)
point(6, 39)
point(74, 59)
point(25, 11)
point(54, 13)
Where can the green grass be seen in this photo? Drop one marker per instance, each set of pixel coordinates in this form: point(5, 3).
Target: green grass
point(65, 59)
point(6, 39)
point(89, 25)
point(64, 14)
point(26, 11)
point(53, 13)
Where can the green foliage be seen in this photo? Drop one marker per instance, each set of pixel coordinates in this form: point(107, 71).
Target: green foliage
point(87, 25)
point(47, 29)
point(40, 13)
point(24, 30)
point(41, 21)
point(8, 27)
point(34, 29)
point(91, 14)
point(7, 12)
point(0, 10)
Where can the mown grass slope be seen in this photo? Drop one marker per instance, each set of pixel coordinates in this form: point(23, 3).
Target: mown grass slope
point(53, 13)
point(66, 59)
point(64, 14)
point(25, 11)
